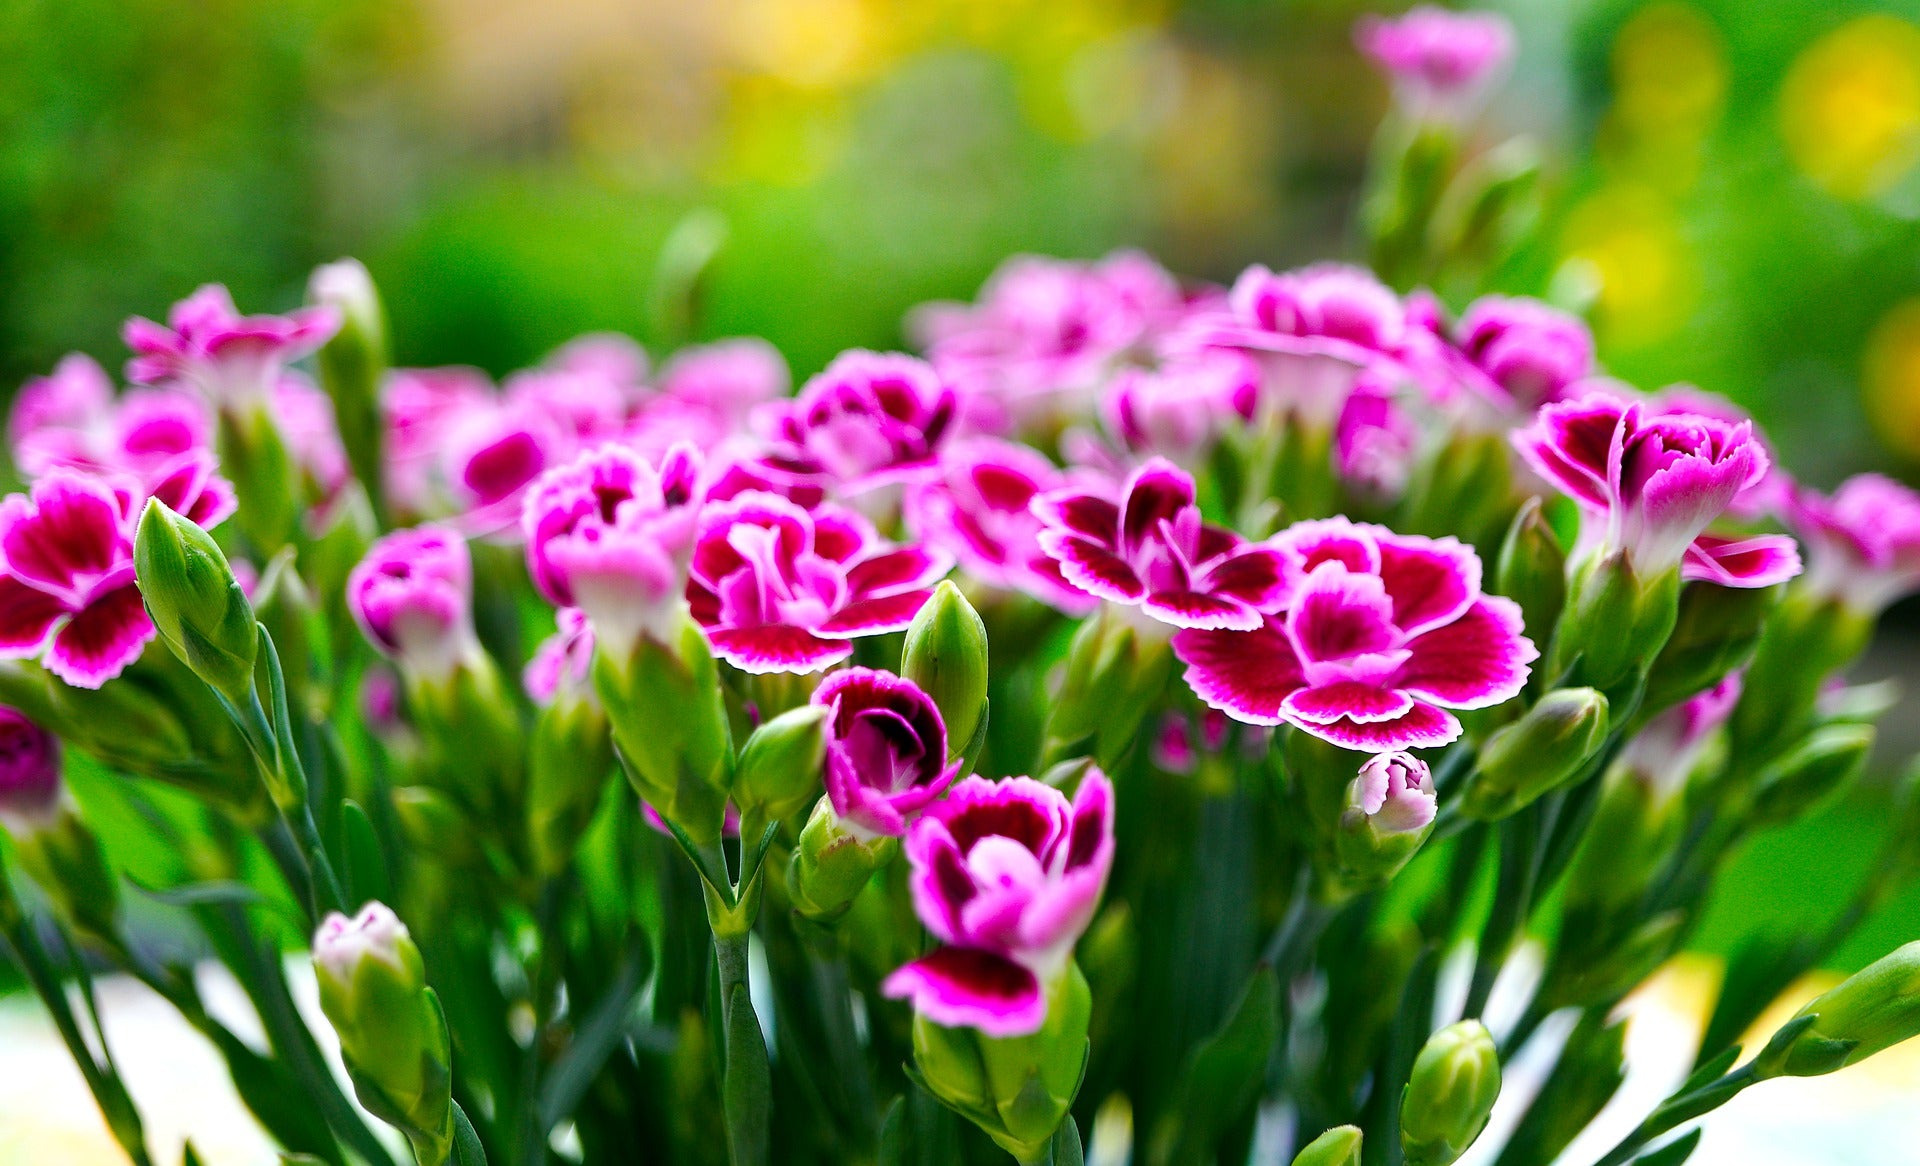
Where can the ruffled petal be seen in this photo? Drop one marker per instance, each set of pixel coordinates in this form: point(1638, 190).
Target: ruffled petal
point(1432, 580)
point(775, 648)
point(867, 617)
point(27, 616)
point(966, 987)
point(1192, 609)
point(1246, 675)
point(1092, 568)
point(1424, 726)
point(101, 639)
point(1474, 662)
point(1323, 704)
point(1758, 561)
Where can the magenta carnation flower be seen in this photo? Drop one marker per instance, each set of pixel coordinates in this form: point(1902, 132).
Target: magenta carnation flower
point(1521, 354)
point(979, 509)
point(67, 593)
point(1666, 749)
point(1382, 634)
point(1373, 442)
point(1650, 483)
point(208, 345)
point(564, 660)
point(1863, 539)
point(494, 454)
point(1151, 550)
point(782, 589)
point(869, 419)
point(886, 750)
point(1178, 410)
point(1007, 875)
point(728, 378)
point(30, 786)
point(419, 406)
point(1441, 62)
point(611, 534)
point(412, 595)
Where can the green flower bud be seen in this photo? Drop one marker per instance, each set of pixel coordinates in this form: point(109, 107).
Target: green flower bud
point(1715, 634)
point(1806, 640)
point(1389, 812)
point(833, 864)
point(780, 765)
point(1545, 749)
point(1532, 570)
point(352, 364)
point(946, 655)
point(254, 457)
point(1339, 1146)
point(1872, 1010)
point(476, 744)
point(1829, 759)
point(670, 726)
point(195, 601)
point(1450, 1094)
point(393, 1035)
point(1114, 671)
point(64, 856)
point(1016, 1089)
point(568, 761)
point(1614, 624)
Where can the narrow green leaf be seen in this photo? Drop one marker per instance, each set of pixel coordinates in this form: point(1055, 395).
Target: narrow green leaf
point(467, 1150)
point(597, 1037)
point(1673, 1153)
point(749, 1084)
point(1222, 1078)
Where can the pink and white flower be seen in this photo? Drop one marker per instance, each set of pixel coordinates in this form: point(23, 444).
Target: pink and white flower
point(1441, 63)
point(1650, 483)
point(886, 750)
point(419, 407)
point(493, 455)
point(412, 594)
point(72, 419)
point(206, 344)
point(1007, 875)
point(1373, 442)
point(611, 533)
point(1151, 550)
point(979, 509)
point(728, 378)
point(1177, 411)
point(869, 419)
point(1382, 634)
point(783, 589)
point(1395, 793)
point(1664, 752)
point(1863, 540)
point(67, 593)
point(1520, 354)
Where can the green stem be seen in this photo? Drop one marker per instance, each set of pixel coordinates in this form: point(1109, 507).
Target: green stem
point(746, 1086)
point(1678, 1110)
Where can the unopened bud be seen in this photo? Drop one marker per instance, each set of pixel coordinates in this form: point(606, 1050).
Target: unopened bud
point(1614, 624)
point(195, 601)
point(1829, 759)
point(1450, 1094)
point(1870, 1011)
point(53, 842)
point(833, 864)
point(352, 363)
point(946, 655)
point(670, 726)
point(1532, 570)
point(393, 1035)
point(1339, 1146)
point(30, 787)
point(1546, 748)
point(1389, 813)
point(781, 763)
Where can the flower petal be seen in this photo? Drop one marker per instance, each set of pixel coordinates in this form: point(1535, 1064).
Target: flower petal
point(1432, 581)
point(27, 616)
point(1193, 609)
point(1758, 561)
point(101, 639)
point(1474, 662)
point(1246, 675)
point(866, 617)
point(1092, 568)
point(1323, 704)
point(774, 648)
point(1424, 726)
point(967, 987)
point(1256, 576)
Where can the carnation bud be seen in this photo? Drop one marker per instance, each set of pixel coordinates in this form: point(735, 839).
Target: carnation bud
point(1715, 634)
point(1532, 570)
point(1614, 624)
point(254, 457)
point(393, 1035)
point(832, 864)
point(1113, 673)
point(1016, 1089)
point(1537, 754)
point(1450, 1094)
point(1389, 813)
point(352, 364)
point(780, 765)
point(1872, 1010)
point(568, 760)
point(30, 786)
point(1339, 1146)
point(1807, 640)
point(1830, 758)
point(670, 726)
point(54, 844)
point(195, 601)
point(946, 655)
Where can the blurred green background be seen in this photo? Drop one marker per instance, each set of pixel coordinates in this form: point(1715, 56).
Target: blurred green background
point(1733, 181)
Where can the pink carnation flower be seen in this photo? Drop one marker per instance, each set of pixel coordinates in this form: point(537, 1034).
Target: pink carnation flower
point(782, 589)
point(1520, 354)
point(869, 419)
point(1863, 539)
point(72, 419)
point(419, 407)
point(208, 345)
point(1665, 751)
point(727, 379)
point(1007, 875)
point(1650, 483)
point(608, 356)
point(1382, 634)
point(610, 534)
point(1178, 410)
point(412, 595)
point(304, 415)
point(67, 593)
point(886, 750)
point(30, 785)
point(563, 660)
point(492, 455)
point(1151, 550)
point(1373, 443)
point(1441, 63)
point(979, 509)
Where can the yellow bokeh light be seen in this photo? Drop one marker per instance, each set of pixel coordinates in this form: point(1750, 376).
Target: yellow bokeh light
point(1670, 85)
point(1629, 239)
point(1892, 380)
point(1850, 106)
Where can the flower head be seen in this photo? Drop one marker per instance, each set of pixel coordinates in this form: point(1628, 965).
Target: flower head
point(1178, 410)
point(728, 378)
point(1373, 441)
point(610, 534)
point(412, 595)
point(886, 749)
point(29, 771)
point(305, 417)
point(1441, 62)
point(1007, 874)
point(869, 419)
point(208, 345)
point(1150, 549)
point(1395, 793)
point(782, 589)
point(1650, 483)
point(979, 509)
point(494, 454)
point(419, 406)
point(1863, 539)
point(1664, 751)
point(67, 593)
point(1381, 634)
point(1521, 354)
